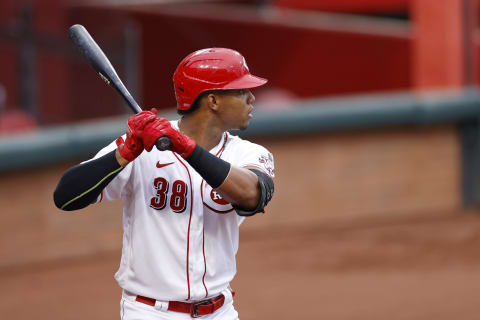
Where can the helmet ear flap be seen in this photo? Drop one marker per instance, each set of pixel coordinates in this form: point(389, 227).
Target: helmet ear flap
point(211, 69)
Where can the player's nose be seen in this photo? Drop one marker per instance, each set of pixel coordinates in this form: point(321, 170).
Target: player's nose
point(251, 97)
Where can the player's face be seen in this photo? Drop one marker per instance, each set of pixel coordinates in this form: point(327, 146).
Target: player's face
point(237, 106)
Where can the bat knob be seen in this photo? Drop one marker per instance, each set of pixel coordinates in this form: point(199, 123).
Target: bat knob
point(163, 144)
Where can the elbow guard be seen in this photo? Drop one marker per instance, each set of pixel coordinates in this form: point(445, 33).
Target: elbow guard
point(266, 193)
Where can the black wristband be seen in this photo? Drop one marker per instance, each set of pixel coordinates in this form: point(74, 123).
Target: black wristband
point(214, 170)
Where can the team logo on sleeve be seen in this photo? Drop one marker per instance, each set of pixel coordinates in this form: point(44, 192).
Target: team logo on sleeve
point(217, 198)
point(267, 161)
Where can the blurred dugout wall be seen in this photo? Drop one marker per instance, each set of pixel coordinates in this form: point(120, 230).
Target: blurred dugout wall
point(43, 74)
point(303, 53)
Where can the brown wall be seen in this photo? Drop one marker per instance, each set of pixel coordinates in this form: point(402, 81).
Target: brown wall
point(364, 175)
point(322, 179)
point(34, 230)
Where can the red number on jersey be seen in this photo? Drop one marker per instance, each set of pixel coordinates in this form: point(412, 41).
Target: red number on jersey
point(178, 199)
point(160, 200)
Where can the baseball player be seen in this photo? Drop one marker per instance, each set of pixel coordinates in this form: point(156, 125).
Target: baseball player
point(182, 208)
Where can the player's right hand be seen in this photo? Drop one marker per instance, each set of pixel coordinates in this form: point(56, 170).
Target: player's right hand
point(160, 127)
point(132, 146)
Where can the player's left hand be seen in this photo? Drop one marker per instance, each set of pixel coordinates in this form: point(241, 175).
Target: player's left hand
point(160, 127)
point(132, 146)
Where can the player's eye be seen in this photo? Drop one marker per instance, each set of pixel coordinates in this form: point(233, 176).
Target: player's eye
point(239, 92)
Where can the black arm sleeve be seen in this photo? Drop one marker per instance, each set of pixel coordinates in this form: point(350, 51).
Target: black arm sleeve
point(266, 188)
point(80, 185)
point(214, 170)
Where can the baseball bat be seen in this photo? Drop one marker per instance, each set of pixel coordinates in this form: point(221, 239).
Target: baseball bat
point(100, 63)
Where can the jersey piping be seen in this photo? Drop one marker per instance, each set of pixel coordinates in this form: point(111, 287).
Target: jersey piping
point(217, 211)
point(225, 138)
point(256, 166)
point(86, 192)
point(204, 262)
point(203, 244)
point(189, 223)
point(223, 146)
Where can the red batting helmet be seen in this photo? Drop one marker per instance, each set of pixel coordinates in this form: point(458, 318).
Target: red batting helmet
point(211, 69)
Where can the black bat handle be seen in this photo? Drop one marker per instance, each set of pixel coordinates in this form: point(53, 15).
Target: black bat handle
point(163, 144)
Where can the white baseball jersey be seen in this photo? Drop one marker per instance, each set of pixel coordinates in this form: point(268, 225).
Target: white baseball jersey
point(180, 237)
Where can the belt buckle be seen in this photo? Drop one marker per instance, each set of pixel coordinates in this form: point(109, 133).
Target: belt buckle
point(194, 308)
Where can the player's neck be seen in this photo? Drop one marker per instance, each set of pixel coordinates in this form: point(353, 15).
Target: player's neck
point(205, 133)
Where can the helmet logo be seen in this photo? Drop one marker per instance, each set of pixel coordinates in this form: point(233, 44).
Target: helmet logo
point(245, 64)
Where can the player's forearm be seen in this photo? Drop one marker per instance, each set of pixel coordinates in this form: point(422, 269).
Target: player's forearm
point(241, 188)
point(80, 185)
point(247, 190)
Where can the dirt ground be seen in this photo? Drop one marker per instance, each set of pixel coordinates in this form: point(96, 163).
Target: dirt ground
point(415, 268)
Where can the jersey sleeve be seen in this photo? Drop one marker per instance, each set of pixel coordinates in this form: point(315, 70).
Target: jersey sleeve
point(116, 187)
point(256, 156)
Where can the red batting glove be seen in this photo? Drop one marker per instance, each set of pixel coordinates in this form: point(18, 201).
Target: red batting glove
point(137, 122)
point(132, 147)
point(160, 127)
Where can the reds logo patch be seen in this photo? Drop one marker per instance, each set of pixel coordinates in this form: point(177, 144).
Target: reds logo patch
point(217, 198)
point(268, 164)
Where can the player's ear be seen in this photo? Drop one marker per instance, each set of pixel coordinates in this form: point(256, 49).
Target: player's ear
point(212, 101)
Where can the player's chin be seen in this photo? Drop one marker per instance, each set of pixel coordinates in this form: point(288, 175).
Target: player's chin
point(241, 122)
point(244, 125)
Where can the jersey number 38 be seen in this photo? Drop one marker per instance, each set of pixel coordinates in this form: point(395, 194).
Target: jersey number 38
point(177, 195)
